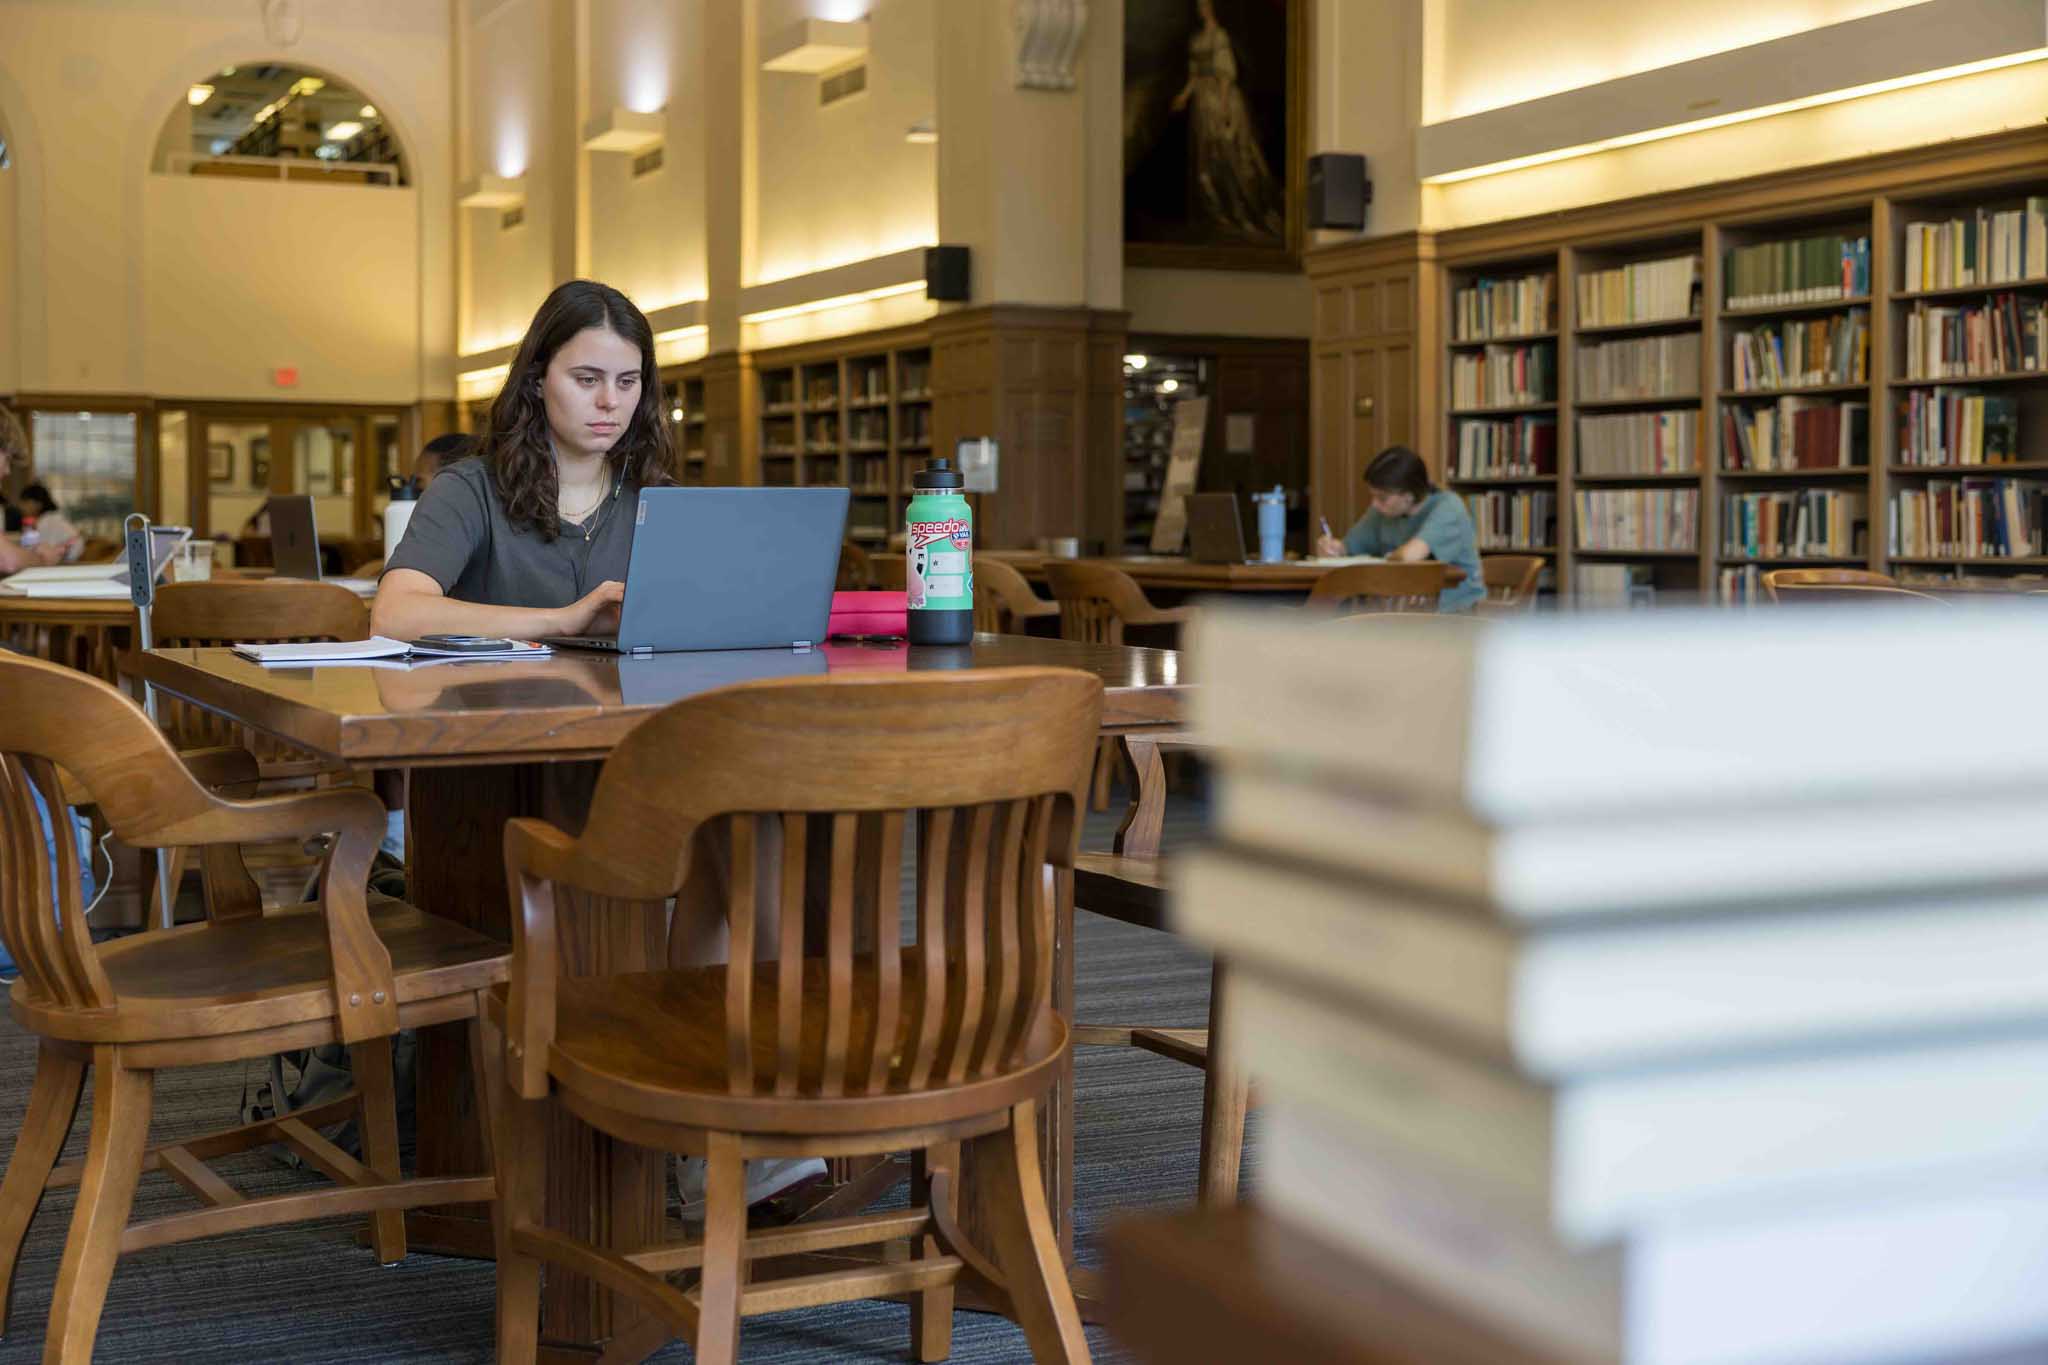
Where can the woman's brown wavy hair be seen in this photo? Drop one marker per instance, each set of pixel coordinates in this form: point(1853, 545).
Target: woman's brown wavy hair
point(517, 450)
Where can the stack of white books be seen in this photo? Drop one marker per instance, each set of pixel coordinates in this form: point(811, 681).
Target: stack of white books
point(1665, 988)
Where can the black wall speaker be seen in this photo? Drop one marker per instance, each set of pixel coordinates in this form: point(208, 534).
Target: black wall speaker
point(1337, 191)
point(945, 274)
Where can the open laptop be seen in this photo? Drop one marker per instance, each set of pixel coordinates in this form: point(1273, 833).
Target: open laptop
point(97, 582)
point(295, 543)
point(1215, 531)
point(727, 568)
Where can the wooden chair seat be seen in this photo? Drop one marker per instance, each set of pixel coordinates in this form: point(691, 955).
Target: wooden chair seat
point(653, 1045)
point(275, 969)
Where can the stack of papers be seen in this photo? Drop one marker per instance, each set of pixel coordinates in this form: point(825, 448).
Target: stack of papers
point(379, 649)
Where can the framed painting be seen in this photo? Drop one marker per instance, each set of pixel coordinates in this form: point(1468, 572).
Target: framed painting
point(220, 462)
point(1214, 120)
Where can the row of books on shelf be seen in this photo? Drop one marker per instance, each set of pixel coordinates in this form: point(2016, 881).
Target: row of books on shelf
point(1795, 433)
point(1504, 376)
point(1978, 518)
point(1614, 585)
point(1516, 306)
point(1801, 352)
point(1550, 1020)
point(1641, 291)
point(1636, 518)
point(1519, 520)
point(1665, 442)
point(1516, 448)
point(1991, 246)
point(1665, 366)
point(2006, 335)
point(1801, 270)
point(1945, 426)
point(1805, 523)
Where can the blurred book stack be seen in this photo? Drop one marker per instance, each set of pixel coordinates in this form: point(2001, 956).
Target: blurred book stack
point(1637, 1004)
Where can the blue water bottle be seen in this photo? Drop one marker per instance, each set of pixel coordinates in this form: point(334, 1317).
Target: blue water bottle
point(1272, 525)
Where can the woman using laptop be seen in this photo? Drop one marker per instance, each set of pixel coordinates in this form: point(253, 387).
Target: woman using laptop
point(13, 555)
point(1410, 521)
point(533, 536)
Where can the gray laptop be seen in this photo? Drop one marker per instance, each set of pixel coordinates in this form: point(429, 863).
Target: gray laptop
point(295, 542)
point(728, 568)
point(1215, 532)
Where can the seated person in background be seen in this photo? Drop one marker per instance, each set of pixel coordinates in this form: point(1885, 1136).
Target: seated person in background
point(441, 452)
point(52, 527)
point(1412, 521)
point(257, 527)
point(13, 555)
point(532, 537)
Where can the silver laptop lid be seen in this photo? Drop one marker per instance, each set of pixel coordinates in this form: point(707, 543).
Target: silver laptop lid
point(732, 568)
point(294, 537)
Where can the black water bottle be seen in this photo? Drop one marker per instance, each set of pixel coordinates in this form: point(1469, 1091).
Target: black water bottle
point(940, 550)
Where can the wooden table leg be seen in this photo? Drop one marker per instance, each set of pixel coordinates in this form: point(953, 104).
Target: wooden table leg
point(608, 1191)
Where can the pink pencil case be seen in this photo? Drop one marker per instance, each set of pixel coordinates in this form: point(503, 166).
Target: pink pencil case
point(869, 613)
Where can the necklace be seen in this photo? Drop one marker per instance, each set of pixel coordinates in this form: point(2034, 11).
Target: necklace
point(603, 507)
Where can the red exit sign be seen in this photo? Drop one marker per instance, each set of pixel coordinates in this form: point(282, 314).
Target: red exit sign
point(285, 376)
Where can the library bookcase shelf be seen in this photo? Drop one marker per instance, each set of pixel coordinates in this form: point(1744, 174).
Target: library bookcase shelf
point(1512, 339)
point(1795, 561)
point(1870, 199)
point(1509, 410)
point(1787, 310)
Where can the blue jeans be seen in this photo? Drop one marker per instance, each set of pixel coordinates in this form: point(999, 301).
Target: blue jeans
point(82, 833)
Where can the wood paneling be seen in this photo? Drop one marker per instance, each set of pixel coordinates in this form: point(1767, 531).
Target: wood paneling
point(1373, 362)
point(1047, 383)
point(732, 403)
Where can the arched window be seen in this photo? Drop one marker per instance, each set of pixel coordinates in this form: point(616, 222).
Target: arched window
point(271, 121)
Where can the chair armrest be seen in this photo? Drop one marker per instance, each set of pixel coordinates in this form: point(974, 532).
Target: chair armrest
point(228, 769)
point(535, 854)
point(1162, 616)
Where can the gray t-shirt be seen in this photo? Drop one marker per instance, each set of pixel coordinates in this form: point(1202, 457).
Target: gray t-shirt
point(460, 538)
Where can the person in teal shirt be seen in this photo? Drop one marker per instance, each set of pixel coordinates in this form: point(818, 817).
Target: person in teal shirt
point(1409, 521)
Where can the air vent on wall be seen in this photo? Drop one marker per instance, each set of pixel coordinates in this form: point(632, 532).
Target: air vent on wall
point(647, 163)
point(842, 84)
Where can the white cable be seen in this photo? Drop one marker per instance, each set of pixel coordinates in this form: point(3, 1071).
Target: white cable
point(107, 884)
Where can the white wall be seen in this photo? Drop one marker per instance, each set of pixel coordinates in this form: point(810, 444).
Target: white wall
point(840, 183)
point(87, 93)
point(507, 79)
point(647, 234)
point(297, 252)
point(10, 306)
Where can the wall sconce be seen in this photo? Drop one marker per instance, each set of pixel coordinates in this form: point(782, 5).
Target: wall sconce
point(492, 192)
point(816, 46)
point(623, 130)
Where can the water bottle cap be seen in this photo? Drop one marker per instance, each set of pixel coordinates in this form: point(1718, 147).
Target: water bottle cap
point(404, 489)
point(938, 476)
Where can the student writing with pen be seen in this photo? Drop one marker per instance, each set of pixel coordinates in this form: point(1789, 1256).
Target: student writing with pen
point(1410, 520)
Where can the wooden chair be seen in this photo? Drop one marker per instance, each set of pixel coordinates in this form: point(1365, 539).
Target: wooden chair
point(1510, 581)
point(1004, 601)
point(1379, 587)
point(249, 611)
point(1132, 883)
point(832, 1038)
point(855, 572)
point(1798, 579)
point(247, 983)
point(1849, 594)
point(1096, 604)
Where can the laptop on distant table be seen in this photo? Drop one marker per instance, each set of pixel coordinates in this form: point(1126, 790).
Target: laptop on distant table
point(1215, 532)
point(727, 568)
point(295, 543)
point(97, 582)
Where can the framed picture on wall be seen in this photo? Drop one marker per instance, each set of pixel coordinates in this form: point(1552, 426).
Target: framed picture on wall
point(1214, 117)
point(220, 462)
point(259, 464)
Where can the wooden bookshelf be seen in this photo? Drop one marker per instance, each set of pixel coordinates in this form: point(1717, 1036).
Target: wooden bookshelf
point(1733, 229)
point(682, 396)
point(853, 412)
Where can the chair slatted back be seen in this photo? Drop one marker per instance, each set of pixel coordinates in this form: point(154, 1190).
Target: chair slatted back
point(1775, 579)
point(272, 611)
point(812, 789)
point(1096, 601)
point(1004, 600)
point(1510, 579)
point(1379, 587)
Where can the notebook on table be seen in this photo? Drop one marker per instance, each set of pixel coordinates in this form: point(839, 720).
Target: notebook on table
point(378, 649)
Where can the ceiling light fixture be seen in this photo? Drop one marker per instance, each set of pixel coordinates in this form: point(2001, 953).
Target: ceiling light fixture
point(1136, 362)
point(816, 46)
point(623, 130)
point(491, 192)
point(199, 94)
point(368, 111)
point(344, 130)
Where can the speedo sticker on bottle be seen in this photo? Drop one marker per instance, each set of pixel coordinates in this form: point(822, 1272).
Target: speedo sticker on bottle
point(940, 575)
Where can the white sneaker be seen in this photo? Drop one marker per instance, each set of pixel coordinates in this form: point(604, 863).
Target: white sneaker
point(766, 1177)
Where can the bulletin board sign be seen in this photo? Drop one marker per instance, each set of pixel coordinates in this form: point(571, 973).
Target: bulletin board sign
point(1183, 463)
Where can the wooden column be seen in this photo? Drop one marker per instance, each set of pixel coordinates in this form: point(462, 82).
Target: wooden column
point(1376, 349)
point(1047, 383)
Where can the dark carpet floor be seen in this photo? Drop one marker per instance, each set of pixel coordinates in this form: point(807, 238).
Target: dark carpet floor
point(308, 1293)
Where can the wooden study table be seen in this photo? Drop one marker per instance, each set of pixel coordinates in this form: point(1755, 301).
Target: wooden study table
point(487, 741)
point(1179, 574)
